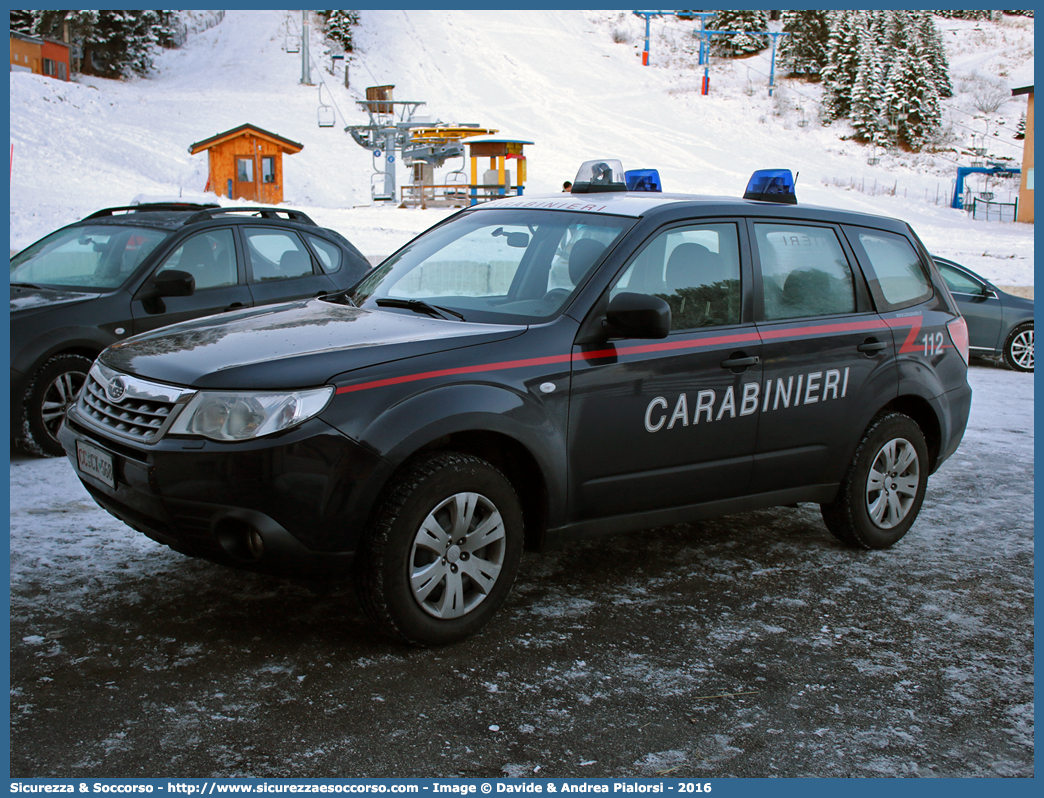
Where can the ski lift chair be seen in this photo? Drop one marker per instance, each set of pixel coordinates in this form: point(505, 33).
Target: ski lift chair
point(325, 112)
point(378, 194)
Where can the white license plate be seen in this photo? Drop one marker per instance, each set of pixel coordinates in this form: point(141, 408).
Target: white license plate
point(95, 462)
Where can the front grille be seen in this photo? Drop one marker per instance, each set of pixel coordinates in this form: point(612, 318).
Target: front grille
point(137, 409)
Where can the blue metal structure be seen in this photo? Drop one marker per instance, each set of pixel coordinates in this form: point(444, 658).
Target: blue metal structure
point(705, 35)
point(997, 169)
point(648, 15)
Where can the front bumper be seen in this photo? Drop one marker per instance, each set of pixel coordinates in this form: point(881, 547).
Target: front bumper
point(295, 503)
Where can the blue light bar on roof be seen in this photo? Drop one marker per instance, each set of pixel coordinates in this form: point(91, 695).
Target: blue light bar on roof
point(642, 180)
point(771, 185)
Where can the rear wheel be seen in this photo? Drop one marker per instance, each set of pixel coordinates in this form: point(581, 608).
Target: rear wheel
point(882, 493)
point(1018, 348)
point(444, 551)
point(48, 398)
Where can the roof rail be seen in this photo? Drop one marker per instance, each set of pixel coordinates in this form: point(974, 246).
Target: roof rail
point(264, 213)
point(147, 207)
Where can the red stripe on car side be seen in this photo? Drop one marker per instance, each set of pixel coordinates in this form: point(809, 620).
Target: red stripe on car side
point(689, 343)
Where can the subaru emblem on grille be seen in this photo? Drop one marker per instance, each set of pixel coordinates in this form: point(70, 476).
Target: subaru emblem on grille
point(116, 389)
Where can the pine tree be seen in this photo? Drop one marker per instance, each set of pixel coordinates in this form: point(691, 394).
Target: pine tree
point(886, 71)
point(115, 43)
point(337, 26)
point(736, 46)
point(842, 66)
point(805, 50)
point(23, 21)
point(959, 14)
point(1020, 131)
point(935, 54)
point(867, 101)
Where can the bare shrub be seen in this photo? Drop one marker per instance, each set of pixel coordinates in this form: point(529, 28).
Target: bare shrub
point(989, 95)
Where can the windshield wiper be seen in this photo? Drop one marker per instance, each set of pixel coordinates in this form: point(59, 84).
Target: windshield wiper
point(420, 306)
point(24, 285)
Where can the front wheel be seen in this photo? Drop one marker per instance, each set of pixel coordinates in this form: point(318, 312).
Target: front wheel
point(1018, 348)
point(444, 551)
point(48, 398)
point(882, 493)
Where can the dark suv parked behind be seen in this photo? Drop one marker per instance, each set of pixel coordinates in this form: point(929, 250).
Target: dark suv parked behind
point(128, 270)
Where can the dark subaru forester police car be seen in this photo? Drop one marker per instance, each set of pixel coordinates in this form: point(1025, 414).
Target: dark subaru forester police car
point(533, 371)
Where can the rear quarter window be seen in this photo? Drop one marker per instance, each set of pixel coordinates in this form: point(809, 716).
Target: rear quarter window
point(899, 278)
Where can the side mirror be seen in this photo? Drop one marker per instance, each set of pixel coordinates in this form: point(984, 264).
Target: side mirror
point(172, 282)
point(637, 316)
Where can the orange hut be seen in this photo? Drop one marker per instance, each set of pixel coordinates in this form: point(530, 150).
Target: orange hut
point(247, 163)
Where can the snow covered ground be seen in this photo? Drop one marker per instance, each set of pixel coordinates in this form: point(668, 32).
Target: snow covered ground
point(557, 78)
point(753, 645)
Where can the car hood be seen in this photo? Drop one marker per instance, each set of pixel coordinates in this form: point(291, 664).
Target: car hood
point(1016, 302)
point(292, 345)
point(26, 301)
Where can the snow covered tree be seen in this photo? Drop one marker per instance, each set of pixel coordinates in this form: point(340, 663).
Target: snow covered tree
point(886, 71)
point(911, 100)
point(935, 54)
point(805, 50)
point(961, 14)
point(114, 43)
point(737, 46)
point(337, 25)
point(23, 21)
point(867, 99)
point(842, 64)
point(1020, 131)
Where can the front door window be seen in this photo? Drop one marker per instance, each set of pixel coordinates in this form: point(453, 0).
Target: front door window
point(245, 170)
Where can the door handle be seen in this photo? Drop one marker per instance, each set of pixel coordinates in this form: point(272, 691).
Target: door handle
point(740, 362)
point(234, 306)
point(871, 346)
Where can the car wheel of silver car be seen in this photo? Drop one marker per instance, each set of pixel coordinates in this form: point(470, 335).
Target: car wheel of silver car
point(48, 398)
point(882, 492)
point(444, 551)
point(1018, 348)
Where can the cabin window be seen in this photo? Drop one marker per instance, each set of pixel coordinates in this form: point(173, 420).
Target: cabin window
point(245, 170)
point(268, 169)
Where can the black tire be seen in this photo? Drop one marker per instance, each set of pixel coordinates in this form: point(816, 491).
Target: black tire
point(48, 398)
point(1018, 348)
point(428, 587)
point(882, 492)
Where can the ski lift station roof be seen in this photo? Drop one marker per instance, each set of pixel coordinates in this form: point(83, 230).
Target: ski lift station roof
point(495, 139)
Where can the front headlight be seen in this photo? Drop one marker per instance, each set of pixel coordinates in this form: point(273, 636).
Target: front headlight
point(242, 415)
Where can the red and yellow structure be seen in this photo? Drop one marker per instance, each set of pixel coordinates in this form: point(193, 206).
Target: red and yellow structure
point(496, 180)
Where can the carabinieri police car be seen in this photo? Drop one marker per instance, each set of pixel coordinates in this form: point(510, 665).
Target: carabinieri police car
point(536, 370)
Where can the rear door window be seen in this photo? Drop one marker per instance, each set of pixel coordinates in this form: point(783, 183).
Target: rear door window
point(899, 278)
point(804, 271)
point(276, 255)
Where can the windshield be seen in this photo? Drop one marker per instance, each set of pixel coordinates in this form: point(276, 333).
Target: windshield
point(93, 257)
point(511, 266)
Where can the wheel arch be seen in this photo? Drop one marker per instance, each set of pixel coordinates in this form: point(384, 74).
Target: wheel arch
point(923, 414)
point(512, 458)
point(507, 428)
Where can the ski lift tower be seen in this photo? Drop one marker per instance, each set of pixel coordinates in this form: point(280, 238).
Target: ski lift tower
point(704, 36)
point(387, 133)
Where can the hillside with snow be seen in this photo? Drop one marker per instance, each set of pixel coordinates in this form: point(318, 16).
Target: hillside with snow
point(571, 81)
